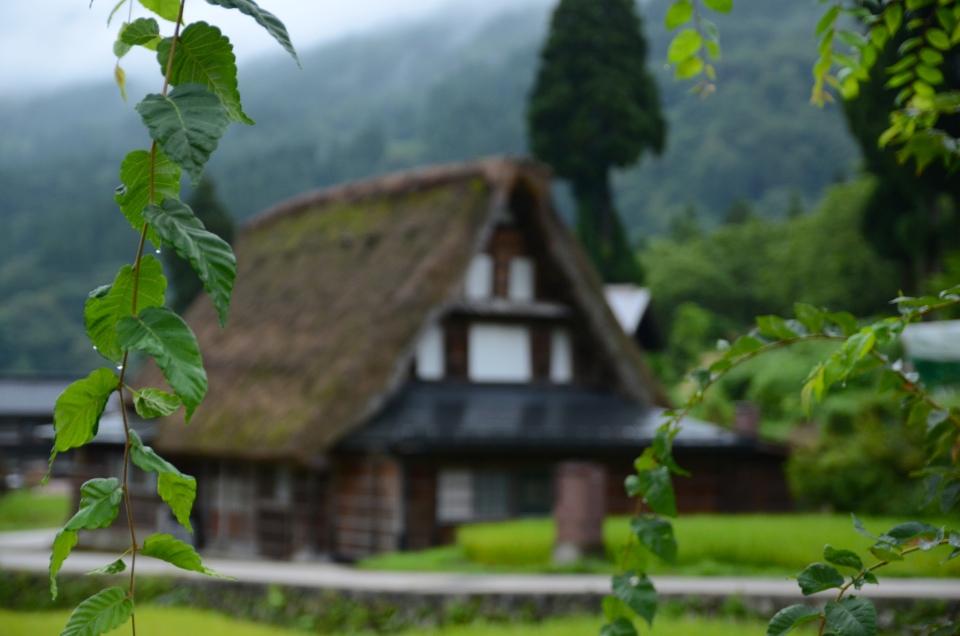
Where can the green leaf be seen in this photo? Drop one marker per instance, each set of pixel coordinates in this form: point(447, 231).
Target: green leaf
point(845, 320)
point(775, 327)
point(846, 558)
point(826, 21)
point(619, 627)
point(905, 532)
point(789, 618)
point(720, 6)
point(884, 553)
point(817, 577)
point(679, 13)
point(143, 32)
point(99, 505)
point(107, 305)
point(163, 334)
point(657, 489)
point(690, 67)
point(175, 488)
point(930, 56)
point(663, 449)
point(166, 9)
point(208, 254)
point(176, 552)
point(151, 403)
point(656, 535)
point(852, 616)
point(637, 592)
point(810, 317)
point(939, 39)
point(205, 56)
point(265, 19)
point(63, 543)
point(684, 45)
point(134, 195)
point(116, 567)
point(613, 608)
point(103, 612)
point(76, 415)
point(893, 17)
point(187, 123)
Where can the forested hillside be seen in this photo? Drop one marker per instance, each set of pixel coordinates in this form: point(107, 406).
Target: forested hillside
point(450, 88)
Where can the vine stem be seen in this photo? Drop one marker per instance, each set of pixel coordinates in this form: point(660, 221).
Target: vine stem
point(134, 547)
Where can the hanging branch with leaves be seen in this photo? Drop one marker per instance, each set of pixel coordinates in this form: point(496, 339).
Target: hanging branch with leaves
point(185, 121)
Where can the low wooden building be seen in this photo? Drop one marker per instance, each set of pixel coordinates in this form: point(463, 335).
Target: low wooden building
point(408, 353)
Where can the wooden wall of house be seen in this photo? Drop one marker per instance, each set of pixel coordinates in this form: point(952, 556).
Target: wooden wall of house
point(720, 481)
point(369, 507)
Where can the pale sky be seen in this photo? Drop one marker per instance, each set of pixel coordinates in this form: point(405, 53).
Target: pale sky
point(47, 44)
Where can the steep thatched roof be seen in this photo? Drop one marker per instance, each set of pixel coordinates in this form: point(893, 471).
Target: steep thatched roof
point(333, 288)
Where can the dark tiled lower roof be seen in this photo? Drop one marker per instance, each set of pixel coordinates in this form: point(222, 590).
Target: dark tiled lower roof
point(459, 416)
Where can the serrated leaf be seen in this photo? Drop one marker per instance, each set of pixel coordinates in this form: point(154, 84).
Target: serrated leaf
point(905, 532)
point(166, 9)
point(164, 335)
point(134, 195)
point(99, 504)
point(852, 616)
point(175, 488)
point(205, 56)
point(76, 414)
point(637, 592)
point(63, 543)
point(775, 327)
point(151, 403)
point(679, 13)
point(663, 449)
point(175, 552)
point(817, 577)
point(107, 305)
point(116, 567)
point(656, 535)
point(103, 612)
point(810, 317)
point(265, 19)
point(619, 627)
point(720, 6)
point(789, 618)
point(208, 254)
point(141, 32)
point(684, 45)
point(187, 123)
point(846, 558)
point(657, 490)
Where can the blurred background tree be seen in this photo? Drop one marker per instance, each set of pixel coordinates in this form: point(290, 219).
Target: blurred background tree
point(594, 107)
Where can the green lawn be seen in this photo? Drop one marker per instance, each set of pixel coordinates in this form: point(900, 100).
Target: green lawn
point(710, 545)
point(162, 621)
point(31, 509)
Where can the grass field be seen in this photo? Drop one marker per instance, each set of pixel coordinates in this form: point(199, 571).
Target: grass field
point(710, 545)
point(162, 621)
point(31, 509)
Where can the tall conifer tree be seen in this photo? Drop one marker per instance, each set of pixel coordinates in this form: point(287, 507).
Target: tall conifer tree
point(595, 107)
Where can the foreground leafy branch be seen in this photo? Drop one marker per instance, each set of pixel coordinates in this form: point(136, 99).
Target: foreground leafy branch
point(860, 350)
point(185, 123)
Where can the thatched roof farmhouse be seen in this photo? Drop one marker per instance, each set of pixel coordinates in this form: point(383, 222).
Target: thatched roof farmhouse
point(414, 351)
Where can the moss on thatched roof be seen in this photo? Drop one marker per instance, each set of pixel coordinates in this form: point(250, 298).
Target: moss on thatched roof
point(332, 290)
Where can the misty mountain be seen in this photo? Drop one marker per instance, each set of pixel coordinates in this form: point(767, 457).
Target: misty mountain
point(449, 88)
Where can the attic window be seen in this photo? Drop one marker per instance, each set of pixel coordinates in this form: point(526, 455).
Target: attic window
point(499, 353)
point(521, 285)
point(430, 354)
point(561, 356)
point(479, 282)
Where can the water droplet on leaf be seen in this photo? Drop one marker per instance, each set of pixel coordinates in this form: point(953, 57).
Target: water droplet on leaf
point(121, 190)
